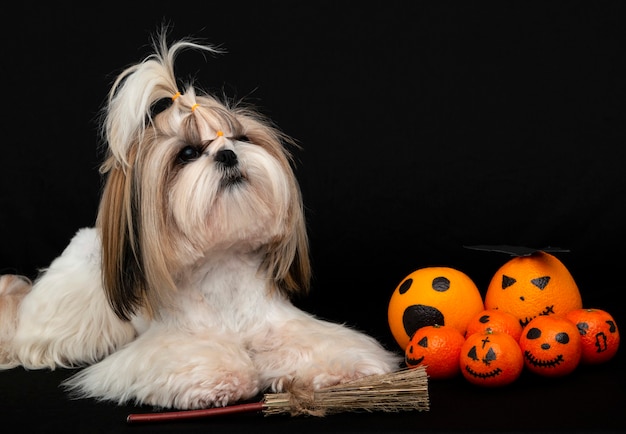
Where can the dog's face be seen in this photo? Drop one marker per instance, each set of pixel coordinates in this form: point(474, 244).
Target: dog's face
point(212, 180)
point(196, 180)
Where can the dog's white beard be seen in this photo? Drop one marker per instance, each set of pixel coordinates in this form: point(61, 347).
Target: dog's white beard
point(224, 338)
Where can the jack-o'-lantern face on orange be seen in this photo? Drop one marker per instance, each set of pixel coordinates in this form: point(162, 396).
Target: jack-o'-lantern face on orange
point(491, 359)
point(437, 348)
point(598, 332)
point(551, 346)
point(533, 285)
point(430, 296)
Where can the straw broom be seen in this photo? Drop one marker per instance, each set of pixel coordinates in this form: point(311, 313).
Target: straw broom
point(403, 390)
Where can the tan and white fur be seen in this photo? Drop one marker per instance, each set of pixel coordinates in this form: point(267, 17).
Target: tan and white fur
point(179, 297)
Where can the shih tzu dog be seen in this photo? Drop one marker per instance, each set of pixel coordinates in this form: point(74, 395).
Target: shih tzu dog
point(179, 297)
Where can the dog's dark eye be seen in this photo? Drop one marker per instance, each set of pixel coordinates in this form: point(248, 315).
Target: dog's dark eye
point(188, 154)
point(242, 138)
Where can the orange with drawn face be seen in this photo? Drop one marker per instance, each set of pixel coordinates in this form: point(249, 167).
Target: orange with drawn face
point(551, 345)
point(599, 334)
point(437, 348)
point(491, 359)
point(533, 285)
point(429, 296)
point(496, 321)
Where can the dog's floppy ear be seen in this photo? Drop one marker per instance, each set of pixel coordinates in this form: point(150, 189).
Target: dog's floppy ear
point(122, 271)
point(298, 272)
point(288, 260)
point(135, 266)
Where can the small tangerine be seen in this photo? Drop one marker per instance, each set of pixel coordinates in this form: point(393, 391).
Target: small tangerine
point(551, 345)
point(491, 359)
point(598, 332)
point(437, 348)
point(495, 320)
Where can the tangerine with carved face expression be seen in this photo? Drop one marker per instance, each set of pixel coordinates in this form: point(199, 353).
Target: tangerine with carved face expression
point(599, 334)
point(496, 321)
point(437, 348)
point(551, 345)
point(491, 359)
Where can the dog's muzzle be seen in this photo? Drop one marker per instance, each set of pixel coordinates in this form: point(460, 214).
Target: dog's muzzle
point(229, 163)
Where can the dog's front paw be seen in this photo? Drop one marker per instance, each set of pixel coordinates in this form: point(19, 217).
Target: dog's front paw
point(322, 376)
point(227, 389)
point(194, 388)
point(281, 384)
point(342, 374)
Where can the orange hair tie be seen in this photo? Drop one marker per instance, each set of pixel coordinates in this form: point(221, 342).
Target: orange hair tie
point(193, 107)
point(176, 95)
point(220, 133)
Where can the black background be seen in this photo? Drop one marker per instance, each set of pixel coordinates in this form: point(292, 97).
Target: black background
point(425, 127)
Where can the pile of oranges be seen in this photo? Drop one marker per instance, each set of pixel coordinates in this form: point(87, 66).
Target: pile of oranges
point(532, 319)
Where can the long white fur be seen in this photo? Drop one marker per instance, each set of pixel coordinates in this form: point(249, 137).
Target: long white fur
point(225, 331)
point(62, 321)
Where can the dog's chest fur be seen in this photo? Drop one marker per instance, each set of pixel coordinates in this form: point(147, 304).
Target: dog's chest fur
point(228, 292)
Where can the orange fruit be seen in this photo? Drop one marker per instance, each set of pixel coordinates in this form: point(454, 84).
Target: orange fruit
point(533, 285)
point(491, 359)
point(598, 332)
point(429, 296)
point(437, 348)
point(551, 345)
point(496, 321)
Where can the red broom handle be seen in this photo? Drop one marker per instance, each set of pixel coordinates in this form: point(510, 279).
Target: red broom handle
point(192, 414)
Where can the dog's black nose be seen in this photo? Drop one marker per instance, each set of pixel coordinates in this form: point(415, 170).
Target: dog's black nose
point(226, 157)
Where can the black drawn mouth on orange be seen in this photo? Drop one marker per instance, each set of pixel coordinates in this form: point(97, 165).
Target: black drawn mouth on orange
point(540, 363)
point(547, 311)
point(483, 375)
point(413, 362)
point(418, 316)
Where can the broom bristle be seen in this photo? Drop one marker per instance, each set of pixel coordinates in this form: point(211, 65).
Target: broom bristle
point(406, 389)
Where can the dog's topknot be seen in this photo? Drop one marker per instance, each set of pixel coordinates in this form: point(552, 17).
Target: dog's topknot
point(138, 90)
